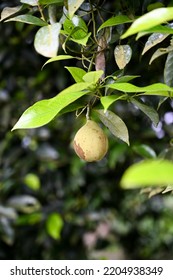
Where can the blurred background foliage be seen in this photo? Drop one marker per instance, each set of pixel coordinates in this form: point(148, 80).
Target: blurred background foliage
point(53, 205)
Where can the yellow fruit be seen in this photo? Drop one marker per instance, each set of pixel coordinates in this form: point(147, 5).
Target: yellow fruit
point(90, 142)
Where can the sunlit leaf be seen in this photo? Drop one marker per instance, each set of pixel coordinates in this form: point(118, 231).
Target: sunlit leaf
point(29, 19)
point(8, 212)
point(77, 73)
point(148, 173)
point(159, 52)
point(30, 2)
point(168, 70)
point(127, 87)
point(9, 11)
point(163, 29)
point(153, 40)
point(83, 41)
point(57, 58)
point(149, 20)
point(168, 189)
point(44, 111)
point(49, 2)
point(92, 76)
point(147, 110)
point(122, 54)
point(110, 99)
point(120, 19)
point(24, 203)
point(46, 40)
point(73, 6)
point(115, 124)
point(54, 225)
point(76, 27)
point(32, 181)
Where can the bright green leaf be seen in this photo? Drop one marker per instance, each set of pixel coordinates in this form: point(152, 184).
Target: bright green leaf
point(77, 73)
point(120, 19)
point(49, 2)
point(29, 19)
point(57, 58)
point(92, 76)
point(149, 20)
point(127, 87)
point(32, 181)
point(76, 27)
point(82, 41)
point(73, 6)
point(147, 110)
point(156, 29)
point(54, 225)
point(110, 99)
point(148, 173)
point(46, 40)
point(115, 124)
point(44, 111)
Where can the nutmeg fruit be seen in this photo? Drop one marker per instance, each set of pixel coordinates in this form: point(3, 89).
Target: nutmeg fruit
point(90, 142)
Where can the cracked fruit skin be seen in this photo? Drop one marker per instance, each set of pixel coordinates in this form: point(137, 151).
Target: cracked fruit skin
point(90, 142)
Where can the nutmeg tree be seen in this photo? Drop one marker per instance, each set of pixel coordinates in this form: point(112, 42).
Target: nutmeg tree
point(98, 36)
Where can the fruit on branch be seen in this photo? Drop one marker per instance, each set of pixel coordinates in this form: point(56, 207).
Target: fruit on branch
point(90, 142)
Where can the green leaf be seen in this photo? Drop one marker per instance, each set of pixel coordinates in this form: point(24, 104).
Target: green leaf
point(73, 6)
point(76, 27)
point(9, 11)
point(92, 76)
point(110, 99)
point(126, 78)
point(49, 2)
point(77, 73)
point(120, 19)
point(149, 20)
point(29, 19)
point(57, 58)
point(82, 41)
point(148, 173)
point(168, 78)
point(46, 40)
point(29, 219)
point(115, 124)
point(54, 225)
point(44, 111)
point(122, 55)
point(32, 181)
point(127, 87)
point(147, 110)
point(159, 52)
point(156, 29)
point(145, 151)
point(153, 40)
